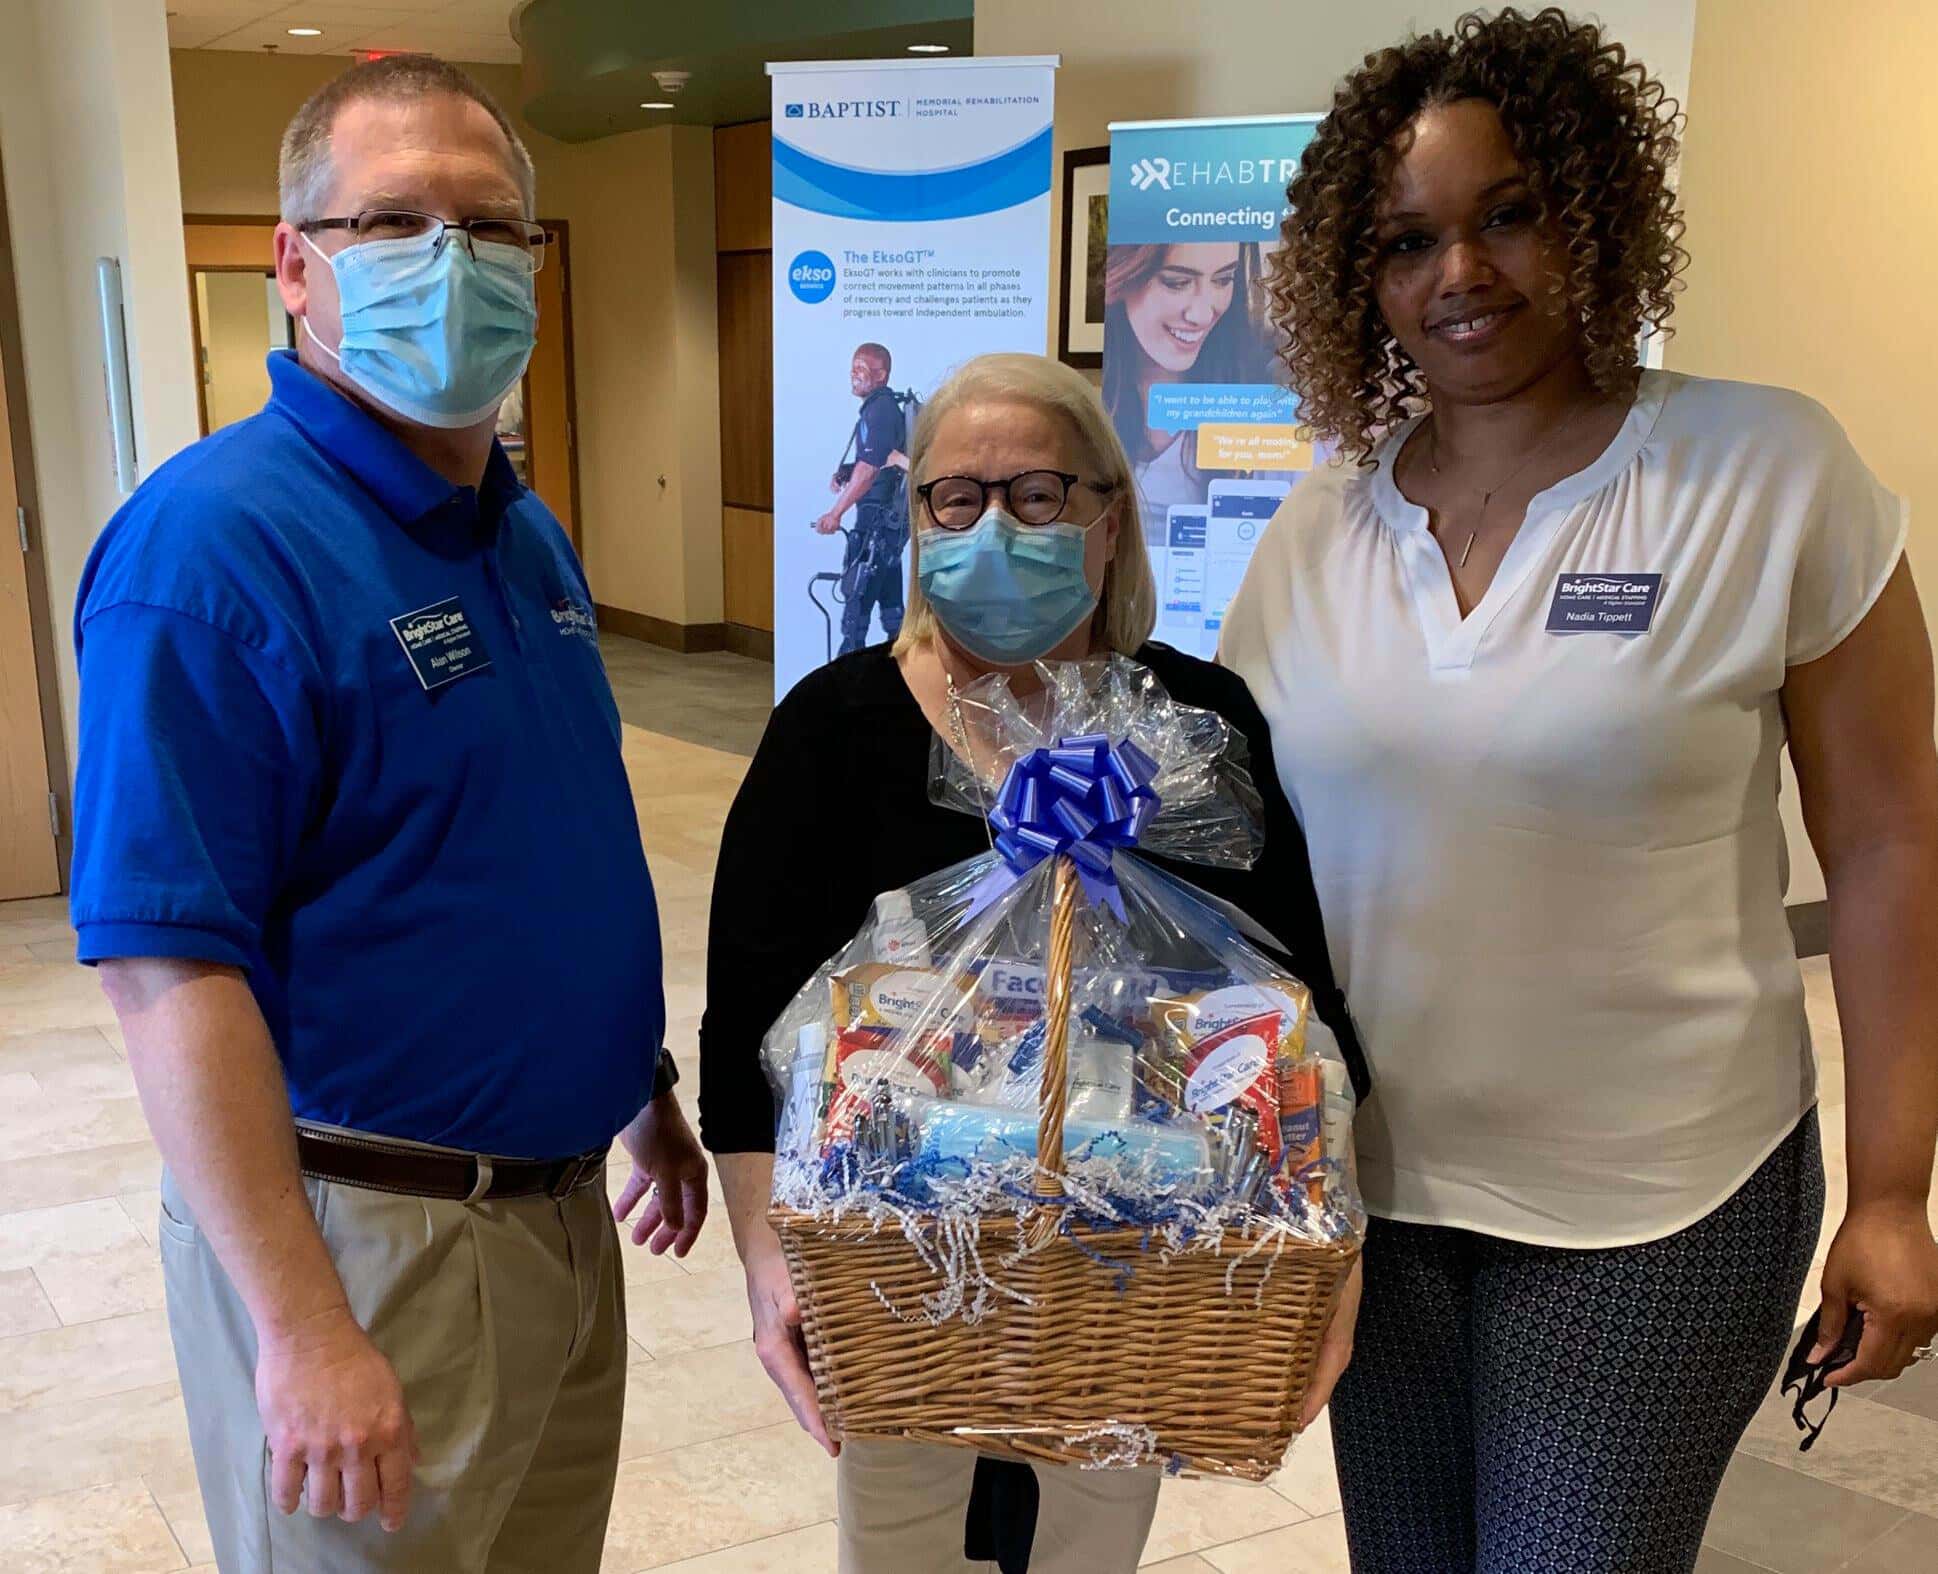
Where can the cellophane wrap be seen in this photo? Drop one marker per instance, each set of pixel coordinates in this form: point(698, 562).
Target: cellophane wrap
point(1203, 1096)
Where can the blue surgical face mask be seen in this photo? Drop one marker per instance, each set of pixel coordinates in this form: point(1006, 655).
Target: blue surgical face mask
point(1007, 592)
point(430, 331)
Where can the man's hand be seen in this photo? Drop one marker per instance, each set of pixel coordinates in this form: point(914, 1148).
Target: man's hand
point(777, 1334)
point(828, 523)
point(333, 1414)
point(1885, 1261)
point(1335, 1349)
point(670, 1172)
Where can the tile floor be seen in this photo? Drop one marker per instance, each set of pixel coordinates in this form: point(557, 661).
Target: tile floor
point(95, 1473)
point(717, 699)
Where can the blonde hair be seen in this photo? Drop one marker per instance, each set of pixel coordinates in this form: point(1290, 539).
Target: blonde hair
point(1127, 604)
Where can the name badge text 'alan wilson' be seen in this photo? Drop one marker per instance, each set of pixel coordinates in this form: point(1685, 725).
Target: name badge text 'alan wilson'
point(441, 644)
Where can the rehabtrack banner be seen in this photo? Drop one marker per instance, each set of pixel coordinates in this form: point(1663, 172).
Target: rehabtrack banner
point(1191, 377)
point(911, 233)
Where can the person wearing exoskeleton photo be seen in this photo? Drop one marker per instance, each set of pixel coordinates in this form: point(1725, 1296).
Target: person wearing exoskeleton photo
point(868, 481)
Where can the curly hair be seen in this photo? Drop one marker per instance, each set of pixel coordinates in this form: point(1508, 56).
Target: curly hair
point(1597, 136)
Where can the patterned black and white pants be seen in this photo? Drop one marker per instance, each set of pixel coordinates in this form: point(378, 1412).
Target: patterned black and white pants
point(1517, 1409)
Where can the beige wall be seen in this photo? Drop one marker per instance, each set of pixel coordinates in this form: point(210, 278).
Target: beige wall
point(1811, 184)
point(645, 362)
point(231, 107)
point(83, 86)
point(234, 321)
point(1808, 179)
point(641, 209)
point(1161, 60)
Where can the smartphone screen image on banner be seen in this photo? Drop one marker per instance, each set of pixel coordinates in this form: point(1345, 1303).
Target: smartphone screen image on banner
point(1181, 580)
point(1237, 513)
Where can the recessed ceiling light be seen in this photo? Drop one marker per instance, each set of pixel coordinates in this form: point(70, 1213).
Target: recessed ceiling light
point(656, 104)
point(928, 49)
point(306, 32)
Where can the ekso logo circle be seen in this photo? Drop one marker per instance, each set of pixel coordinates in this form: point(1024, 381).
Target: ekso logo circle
point(811, 277)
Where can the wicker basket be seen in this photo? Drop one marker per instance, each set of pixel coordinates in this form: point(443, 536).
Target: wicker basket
point(1208, 1350)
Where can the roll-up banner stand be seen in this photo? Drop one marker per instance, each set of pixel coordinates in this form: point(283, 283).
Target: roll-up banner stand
point(911, 233)
point(1191, 379)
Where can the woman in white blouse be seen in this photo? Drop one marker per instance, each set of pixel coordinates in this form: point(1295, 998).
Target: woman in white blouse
point(1530, 665)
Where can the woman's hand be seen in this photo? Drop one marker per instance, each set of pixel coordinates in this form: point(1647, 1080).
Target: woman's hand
point(777, 1332)
point(1335, 1350)
point(670, 1171)
point(1885, 1261)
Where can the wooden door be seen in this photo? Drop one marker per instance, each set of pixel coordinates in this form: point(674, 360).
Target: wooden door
point(29, 865)
point(746, 333)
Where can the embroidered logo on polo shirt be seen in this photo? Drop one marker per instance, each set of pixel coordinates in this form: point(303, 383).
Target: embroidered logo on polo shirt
point(441, 644)
point(1604, 603)
point(575, 617)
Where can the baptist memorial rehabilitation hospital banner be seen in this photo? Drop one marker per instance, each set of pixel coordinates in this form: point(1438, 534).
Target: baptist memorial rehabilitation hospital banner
point(1190, 376)
point(911, 232)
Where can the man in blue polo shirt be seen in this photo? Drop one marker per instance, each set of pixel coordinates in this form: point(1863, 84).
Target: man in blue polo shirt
point(358, 858)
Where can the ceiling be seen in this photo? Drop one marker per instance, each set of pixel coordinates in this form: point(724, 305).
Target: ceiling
point(588, 64)
point(455, 29)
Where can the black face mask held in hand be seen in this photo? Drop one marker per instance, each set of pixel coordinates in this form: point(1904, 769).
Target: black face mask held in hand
point(1809, 1380)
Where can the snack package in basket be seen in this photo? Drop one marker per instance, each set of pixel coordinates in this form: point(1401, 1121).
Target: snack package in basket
point(1061, 1044)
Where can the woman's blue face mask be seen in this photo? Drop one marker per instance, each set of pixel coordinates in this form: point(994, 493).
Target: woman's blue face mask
point(430, 330)
point(1007, 592)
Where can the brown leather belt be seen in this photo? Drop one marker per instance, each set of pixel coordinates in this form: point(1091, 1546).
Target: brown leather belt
point(354, 1159)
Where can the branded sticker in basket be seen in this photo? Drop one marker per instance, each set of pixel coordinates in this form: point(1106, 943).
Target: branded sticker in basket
point(881, 994)
point(866, 1058)
point(1218, 1009)
point(1231, 1069)
point(1223, 1066)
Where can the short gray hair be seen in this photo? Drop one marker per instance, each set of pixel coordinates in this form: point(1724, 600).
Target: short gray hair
point(305, 171)
point(1128, 601)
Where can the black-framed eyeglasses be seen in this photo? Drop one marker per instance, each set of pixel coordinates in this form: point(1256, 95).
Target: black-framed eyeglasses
point(1036, 497)
point(522, 236)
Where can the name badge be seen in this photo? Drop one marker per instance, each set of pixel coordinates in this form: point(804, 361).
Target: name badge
point(1604, 603)
point(441, 644)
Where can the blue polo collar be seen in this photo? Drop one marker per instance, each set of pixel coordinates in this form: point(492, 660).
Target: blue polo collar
point(407, 489)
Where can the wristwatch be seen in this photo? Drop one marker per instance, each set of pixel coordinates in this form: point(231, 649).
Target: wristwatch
point(666, 1074)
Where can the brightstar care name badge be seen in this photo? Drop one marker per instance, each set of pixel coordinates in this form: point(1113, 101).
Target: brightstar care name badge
point(440, 643)
point(1604, 603)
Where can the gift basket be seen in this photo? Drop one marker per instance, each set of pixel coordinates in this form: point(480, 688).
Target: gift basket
point(1063, 1161)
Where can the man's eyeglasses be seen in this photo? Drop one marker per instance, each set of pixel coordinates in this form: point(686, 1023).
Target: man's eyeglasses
point(1036, 497)
point(520, 235)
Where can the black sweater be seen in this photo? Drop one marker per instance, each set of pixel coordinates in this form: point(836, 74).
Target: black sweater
point(835, 810)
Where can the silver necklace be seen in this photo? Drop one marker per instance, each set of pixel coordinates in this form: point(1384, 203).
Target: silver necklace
point(968, 754)
point(1486, 497)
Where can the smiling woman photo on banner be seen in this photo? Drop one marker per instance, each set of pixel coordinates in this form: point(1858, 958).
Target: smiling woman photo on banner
point(1186, 313)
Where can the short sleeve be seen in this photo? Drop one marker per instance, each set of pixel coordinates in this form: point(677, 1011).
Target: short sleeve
point(876, 436)
point(198, 766)
point(1852, 538)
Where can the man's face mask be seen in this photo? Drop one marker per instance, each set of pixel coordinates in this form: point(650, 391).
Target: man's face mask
point(430, 330)
point(1808, 1380)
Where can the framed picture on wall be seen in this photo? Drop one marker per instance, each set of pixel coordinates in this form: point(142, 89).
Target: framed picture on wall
point(1086, 234)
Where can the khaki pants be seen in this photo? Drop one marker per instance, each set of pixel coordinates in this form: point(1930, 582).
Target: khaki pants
point(901, 1508)
point(505, 1322)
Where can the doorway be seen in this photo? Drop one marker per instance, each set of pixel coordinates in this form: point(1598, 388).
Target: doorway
point(33, 756)
point(239, 319)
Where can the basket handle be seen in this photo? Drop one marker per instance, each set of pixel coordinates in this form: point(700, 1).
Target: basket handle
point(1054, 1091)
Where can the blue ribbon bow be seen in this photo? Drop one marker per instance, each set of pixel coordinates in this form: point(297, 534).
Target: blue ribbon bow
point(1085, 798)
